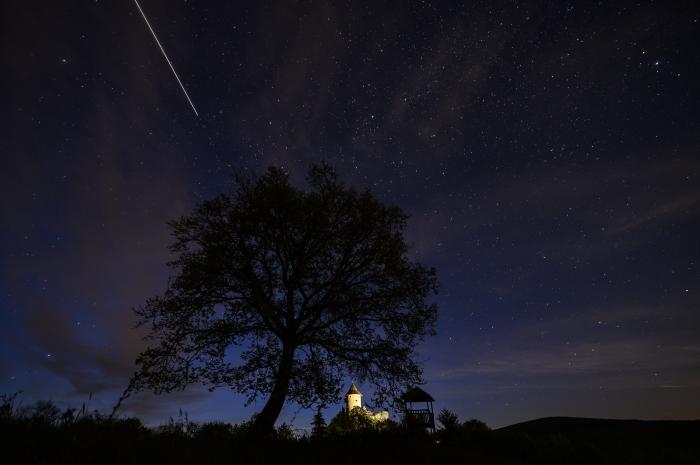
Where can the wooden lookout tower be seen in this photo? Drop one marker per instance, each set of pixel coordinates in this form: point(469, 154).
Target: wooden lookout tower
point(417, 417)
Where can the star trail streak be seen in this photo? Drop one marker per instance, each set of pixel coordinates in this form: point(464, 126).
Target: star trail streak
point(166, 57)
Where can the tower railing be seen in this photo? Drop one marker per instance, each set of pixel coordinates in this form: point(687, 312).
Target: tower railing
point(422, 418)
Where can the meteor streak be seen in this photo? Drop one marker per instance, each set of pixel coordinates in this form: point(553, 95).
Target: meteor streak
point(166, 57)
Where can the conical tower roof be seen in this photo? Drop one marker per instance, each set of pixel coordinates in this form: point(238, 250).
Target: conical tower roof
point(353, 390)
point(417, 395)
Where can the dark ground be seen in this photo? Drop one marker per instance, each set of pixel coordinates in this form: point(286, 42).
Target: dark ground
point(53, 439)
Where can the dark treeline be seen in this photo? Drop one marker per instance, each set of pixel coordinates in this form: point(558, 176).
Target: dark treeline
point(43, 434)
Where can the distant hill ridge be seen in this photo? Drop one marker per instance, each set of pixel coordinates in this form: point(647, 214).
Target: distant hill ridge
point(611, 433)
point(579, 424)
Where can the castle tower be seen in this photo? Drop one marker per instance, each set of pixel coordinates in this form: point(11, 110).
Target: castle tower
point(354, 397)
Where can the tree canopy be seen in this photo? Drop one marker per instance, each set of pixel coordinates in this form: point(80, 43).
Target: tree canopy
point(281, 292)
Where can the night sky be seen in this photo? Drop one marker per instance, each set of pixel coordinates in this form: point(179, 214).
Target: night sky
point(548, 155)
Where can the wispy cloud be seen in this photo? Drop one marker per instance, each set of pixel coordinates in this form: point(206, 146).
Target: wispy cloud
point(654, 214)
point(624, 346)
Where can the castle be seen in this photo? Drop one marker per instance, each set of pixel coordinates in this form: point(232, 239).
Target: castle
point(354, 400)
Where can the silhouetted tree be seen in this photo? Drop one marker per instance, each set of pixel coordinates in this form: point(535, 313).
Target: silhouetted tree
point(475, 426)
point(449, 426)
point(318, 423)
point(449, 420)
point(285, 433)
point(310, 286)
point(7, 404)
point(43, 411)
point(355, 420)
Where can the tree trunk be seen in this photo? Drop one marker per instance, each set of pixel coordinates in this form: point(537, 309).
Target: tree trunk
point(265, 421)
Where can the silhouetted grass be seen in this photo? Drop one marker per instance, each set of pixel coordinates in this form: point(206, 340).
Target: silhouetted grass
point(40, 434)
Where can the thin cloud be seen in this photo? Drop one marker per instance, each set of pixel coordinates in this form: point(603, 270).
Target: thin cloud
point(663, 212)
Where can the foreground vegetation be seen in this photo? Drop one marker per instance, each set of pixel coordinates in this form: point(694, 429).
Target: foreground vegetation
point(43, 434)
